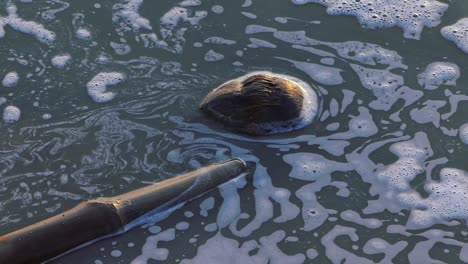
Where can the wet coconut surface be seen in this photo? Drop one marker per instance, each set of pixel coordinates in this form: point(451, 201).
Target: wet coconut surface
point(259, 104)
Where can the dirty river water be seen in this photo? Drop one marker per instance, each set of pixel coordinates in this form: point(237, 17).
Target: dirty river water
point(101, 97)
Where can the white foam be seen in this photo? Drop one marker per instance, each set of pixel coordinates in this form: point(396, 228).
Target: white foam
point(428, 113)
point(387, 88)
point(247, 3)
point(254, 29)
point(116, 253)
point(178, 14)
point(454, 100)
point(313, 167)
point(83, 33)
point(439, 73)
point(154, 229)
point(188, 3)
point(212, 55)
point(217, 9)
point(447, 200)
point(463, 131)
point(11, 114)
point(378, 245)
point(311, 253)
point(98, 85)
point(230, 208)
point(211, 227)
point(354, 217)
point(150, 249)
point(260, 43)
point(359, 126)
point(335, 253)
point(281, 20)
point(11, 79)
point(249, 15)
point(181, 226)
point(412, 16)
point(220, 249)
point(320, 73)
point(376, 79)
point(219, 40)
point(127, 16)
point(412, 155)
point(368, 53)
point(28, 27)
point(120, 48)
point(60, 61)
point(457, 33)
point(264, 194)
point(206, 205)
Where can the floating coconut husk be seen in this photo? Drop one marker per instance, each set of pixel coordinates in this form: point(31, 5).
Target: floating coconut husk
point(104, 217)
point(262, 103)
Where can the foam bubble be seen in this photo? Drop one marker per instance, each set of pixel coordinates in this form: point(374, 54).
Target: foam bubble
point(83, 33)
point(116, 253)
point(217, 9)
point(254, 29)
point(212, 55)
point(220, 249)
point(439, 73)
point(354, 217)
point(120, 48)
point(60, 61)
point(412, 16)
point(28, 27)
point(98, 85)
point(320, 73)
point(151, 250)
point(259, 43)
point(464, 133)
point(206, 205)
point(46, 116)
point(11, 114)
point(281, 20)
point(368, 53)
point(11, 79)
point(128, 17)
point(428, 113)
point(448, 199)
point(457, 33)
point(249, 15)
point(219, 40)
point(188, 3)
point(178, 14)
point(182, 226)
point(312, 167)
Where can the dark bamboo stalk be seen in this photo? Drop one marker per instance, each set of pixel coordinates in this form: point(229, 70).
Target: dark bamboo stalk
point(103, 217)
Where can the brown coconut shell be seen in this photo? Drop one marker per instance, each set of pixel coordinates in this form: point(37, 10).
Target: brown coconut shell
point(247, 105)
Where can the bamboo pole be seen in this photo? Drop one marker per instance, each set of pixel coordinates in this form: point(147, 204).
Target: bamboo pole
point(104, 217)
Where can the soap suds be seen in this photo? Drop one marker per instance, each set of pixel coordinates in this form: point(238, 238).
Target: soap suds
point(412, 16)
point(439, 73)
point(10, 79)
point(11, 114)
point(28, 27)
point(97, 87)
point(457, 33)
point(60, 61)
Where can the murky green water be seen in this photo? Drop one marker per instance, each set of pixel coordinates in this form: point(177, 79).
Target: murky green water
point(354, 187)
